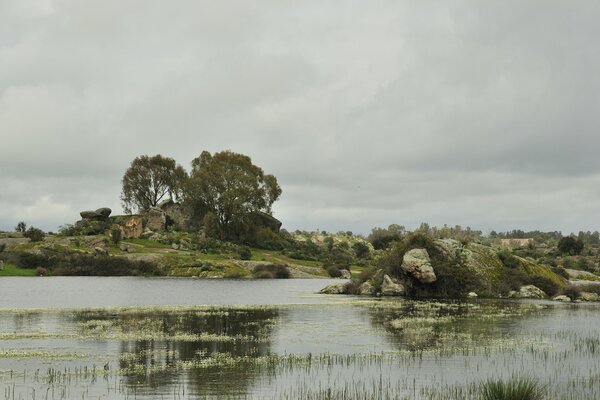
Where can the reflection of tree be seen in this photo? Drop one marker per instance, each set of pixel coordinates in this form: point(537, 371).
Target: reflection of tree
point(423, 325)
point(154, 365)
point(27, 321)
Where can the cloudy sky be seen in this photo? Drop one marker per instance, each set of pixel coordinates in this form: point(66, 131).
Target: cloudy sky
point(479, 113)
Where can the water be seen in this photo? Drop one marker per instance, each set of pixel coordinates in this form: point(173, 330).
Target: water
point(77, 337)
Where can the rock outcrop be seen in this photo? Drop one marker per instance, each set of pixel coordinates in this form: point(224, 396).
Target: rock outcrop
point(335, 288)
point(391, 288)
point(416, 262)
point(134, 227)
point(100, 214)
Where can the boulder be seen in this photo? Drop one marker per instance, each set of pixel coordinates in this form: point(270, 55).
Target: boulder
point(345, 274)
point(472, 295)
point(563, 298)
point(156, 219)
point(391, 288)
point(589, 296)
point(103, 213)
point(124, 248)
point(267, 220)
point(416, 262)
point(100, 251)
point(530, 292)
point(366, 289)
point(89, 215)
point(335, 288)
point(133, 228)
point(174, 246)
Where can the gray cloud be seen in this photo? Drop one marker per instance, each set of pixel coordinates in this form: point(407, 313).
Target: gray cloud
point(471, 113)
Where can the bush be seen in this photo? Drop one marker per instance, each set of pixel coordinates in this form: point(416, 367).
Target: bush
point(572, 291)
point(271, 271)
point(2, 247)
point(508, 260)
point(41, 271)
point(514, 389)
point(560, 271)
point(333, 271)
point(570, 245)
point(546, 284)
point(115, 235)
point(34, 234)
point(245, 253)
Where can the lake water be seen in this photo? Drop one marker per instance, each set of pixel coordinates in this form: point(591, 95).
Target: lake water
point(104, 338)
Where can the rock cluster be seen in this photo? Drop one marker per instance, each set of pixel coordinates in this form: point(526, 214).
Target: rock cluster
point(100, 214)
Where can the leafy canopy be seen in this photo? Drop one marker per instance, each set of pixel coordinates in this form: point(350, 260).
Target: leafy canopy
point(228, 189)
point(148, 180)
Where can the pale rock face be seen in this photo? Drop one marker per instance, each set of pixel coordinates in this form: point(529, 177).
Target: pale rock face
point(416, 262)
point(133, 228)
point(530, 292)
point(335, 288)
point(563, 298)
point(345, 274)
point(589, 296)
point(391, 288)
point(366, 289)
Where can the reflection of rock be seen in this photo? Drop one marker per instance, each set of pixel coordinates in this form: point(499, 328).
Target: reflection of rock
point(335, 288)
point(563, 298)
point(366, 289)
point(133, 228)
point(472, 295)
point(391, 288)
point(416, 262)
point(528, 292)
point(345, 274)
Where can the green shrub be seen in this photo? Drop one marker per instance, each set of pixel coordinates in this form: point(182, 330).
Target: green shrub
point(508, 259)
point(333, 271)
point(41, 271)
point(513, 389)
point(2, 247)
point(271, 271)
point(34, 234)
point(549, 287)
point(115, 235)
point(245, 253)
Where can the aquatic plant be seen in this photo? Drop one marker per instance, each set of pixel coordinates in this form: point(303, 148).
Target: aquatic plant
point(522, 388)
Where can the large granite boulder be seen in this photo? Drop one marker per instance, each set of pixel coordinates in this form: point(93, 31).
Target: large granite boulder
point(335, 288)
point(156, 219)
point(100, 214)
point(416, 262)
point(391, 288)
point(366, 289)
point(528, 292)
point(134, 227)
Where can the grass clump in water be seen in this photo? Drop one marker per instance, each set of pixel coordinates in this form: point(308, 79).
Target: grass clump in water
point(524, 388)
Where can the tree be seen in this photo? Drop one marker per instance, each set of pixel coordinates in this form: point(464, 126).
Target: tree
point(21, 227)
point(34, 234)
point(148, 180)
point(228, 189)
point(570, 245)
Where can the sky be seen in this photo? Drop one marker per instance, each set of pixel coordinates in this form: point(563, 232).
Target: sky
point(477, 113)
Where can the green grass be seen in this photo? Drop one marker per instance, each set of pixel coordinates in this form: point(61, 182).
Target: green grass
point(513, 389)
point(11, 270)
point(278, 258)
point(147, 243)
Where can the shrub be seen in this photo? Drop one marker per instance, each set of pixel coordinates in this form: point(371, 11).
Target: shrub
point(115, 235)
point(570, 245)
point(508, 260)
point(41, 271)
point(333, 271)
point(550, 287)
point(34, 234)
point(572, 291)
point(2, 247)
point(590, 288)
point(271, 271)
point(560, 271)
point(21, 227)
point(245, 253)
point(514, 389)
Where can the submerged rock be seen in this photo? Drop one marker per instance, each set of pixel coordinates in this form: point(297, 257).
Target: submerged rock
point(335, 288)
point(417, 263)
point(391, 288)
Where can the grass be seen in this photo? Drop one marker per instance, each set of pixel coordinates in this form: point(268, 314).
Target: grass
point(524, 388)
point(11, 270)
point(147, 243)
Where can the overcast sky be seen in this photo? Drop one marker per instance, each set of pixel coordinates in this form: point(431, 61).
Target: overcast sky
point(479, 113)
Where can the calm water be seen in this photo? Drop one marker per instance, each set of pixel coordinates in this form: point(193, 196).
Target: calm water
point(63, 338)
